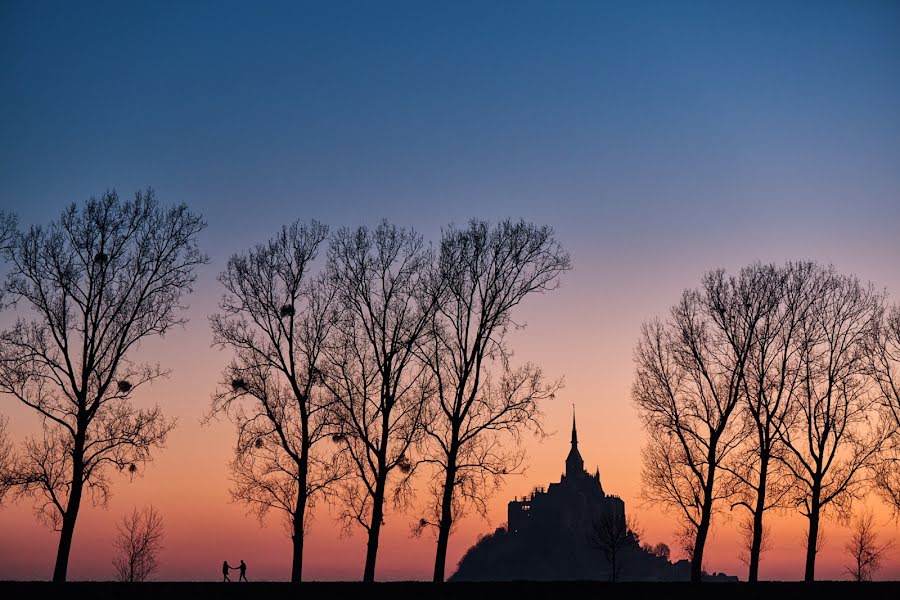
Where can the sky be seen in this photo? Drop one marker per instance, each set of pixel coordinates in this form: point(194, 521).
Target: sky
point(658, 139)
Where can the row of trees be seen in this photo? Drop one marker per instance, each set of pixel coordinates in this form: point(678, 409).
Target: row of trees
point(347, 378)
point(394, 355)
point(775, 389)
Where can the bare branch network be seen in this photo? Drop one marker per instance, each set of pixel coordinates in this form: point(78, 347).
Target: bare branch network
point(386, 361)
point(774, 389)
point(364, 359)
point(89, 287)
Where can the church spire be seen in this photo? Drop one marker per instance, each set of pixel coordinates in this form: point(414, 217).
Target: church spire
point(574, 463)
point(574, 431)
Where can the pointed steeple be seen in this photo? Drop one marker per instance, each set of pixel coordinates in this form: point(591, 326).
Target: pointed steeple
point(574, 431)
point(574, 462)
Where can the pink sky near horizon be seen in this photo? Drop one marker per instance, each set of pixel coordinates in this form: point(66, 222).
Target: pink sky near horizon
point(584, 331)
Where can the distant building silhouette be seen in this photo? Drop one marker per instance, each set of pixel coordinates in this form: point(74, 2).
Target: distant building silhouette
point(574, 503)
point(550, 535)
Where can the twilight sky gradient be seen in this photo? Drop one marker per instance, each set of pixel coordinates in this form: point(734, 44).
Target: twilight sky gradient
point(660, 139)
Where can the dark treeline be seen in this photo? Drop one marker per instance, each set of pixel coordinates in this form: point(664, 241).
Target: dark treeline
point(775, 389)
point(360, 359)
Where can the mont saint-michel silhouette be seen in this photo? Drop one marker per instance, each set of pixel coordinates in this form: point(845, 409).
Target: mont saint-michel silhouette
point(552, 535)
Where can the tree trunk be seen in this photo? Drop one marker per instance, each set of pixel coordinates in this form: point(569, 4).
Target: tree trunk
point(699, 543)
point(446, 521)
point(297, 537)
point(756, 544)
point(705, 518)
point(812, 538)
point(71, 514)
point(755, 547)
point(375, 528)
point(299, 516)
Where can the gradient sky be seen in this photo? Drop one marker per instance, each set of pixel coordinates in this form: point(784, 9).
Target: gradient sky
point(660, 139)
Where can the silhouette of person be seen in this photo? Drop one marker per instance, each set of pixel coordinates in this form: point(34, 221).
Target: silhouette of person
point(225, 567)
point(243, 568)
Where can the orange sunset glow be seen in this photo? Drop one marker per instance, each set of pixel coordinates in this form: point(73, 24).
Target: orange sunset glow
point(188, 482)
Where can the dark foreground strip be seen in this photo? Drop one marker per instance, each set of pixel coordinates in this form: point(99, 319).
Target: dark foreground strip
point(90, 590)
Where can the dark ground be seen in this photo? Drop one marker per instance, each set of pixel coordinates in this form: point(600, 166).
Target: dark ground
point(12, 590)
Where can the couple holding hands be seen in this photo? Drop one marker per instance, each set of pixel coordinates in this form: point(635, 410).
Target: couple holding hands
point(242, 568)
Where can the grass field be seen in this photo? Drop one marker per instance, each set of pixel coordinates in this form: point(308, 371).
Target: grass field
point(452, 591)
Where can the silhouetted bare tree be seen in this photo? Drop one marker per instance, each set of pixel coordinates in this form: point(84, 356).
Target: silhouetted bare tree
point(830, 433)
point(7, 228)
point(96, 282)
point(7, 233)
point(883, 352)
point(7, 459)
point(8, 223)
point(276, 320)
point(379, 385)
point(7, 456)
point(864, 550)
point(138, 545)
point(612, 534)
point(688, 385)
point(770, 381)
point(483, 272)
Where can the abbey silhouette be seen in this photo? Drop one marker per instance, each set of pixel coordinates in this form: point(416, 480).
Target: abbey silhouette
point(575, 502)
point(550, 535)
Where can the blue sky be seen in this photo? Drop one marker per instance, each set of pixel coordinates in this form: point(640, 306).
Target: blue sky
point(660, 139)
point(649, 114)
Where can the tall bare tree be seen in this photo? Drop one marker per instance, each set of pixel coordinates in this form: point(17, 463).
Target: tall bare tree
point(138, 544)
point(379, 385)
point(94, 283)
point(483, 272)
point(770, 381)
point(832, 433)
point(864, 550)
point(276, 319)
point(688, 385)
point(883, 353)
